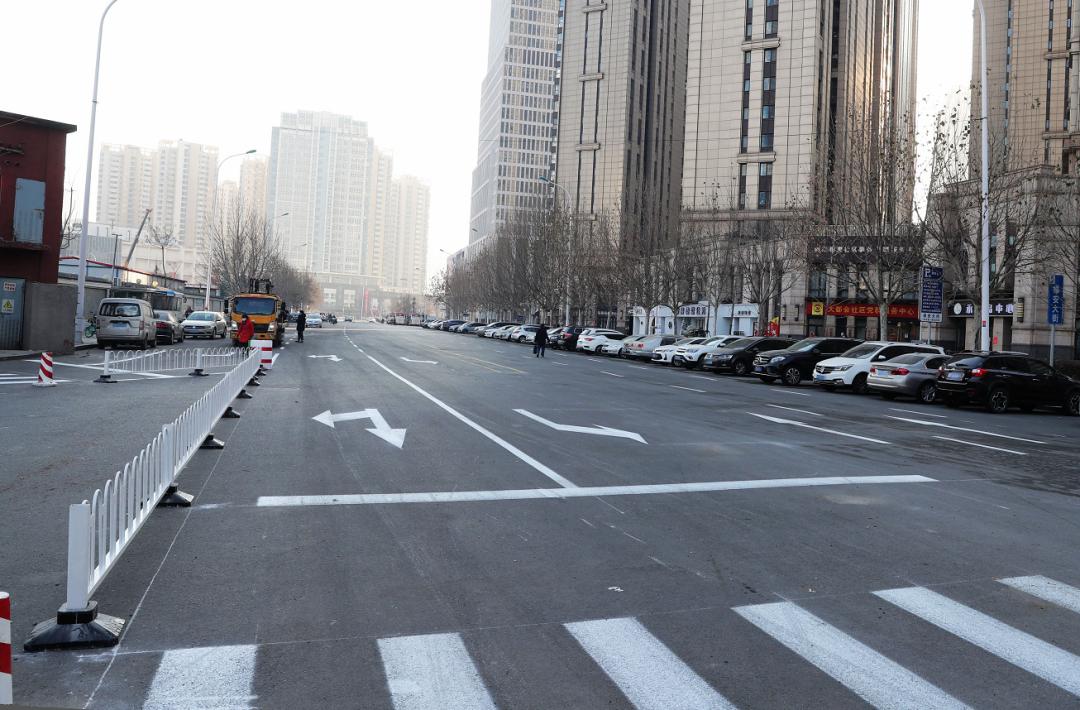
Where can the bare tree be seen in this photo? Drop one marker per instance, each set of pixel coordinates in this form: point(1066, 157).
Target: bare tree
point(163, 238)
point(243, 247)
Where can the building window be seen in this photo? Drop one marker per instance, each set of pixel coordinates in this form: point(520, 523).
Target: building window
point(766, 111)
point(763, 200)
point(770, 28)
point(766, 141)
point(765, 169)
point(768, 84)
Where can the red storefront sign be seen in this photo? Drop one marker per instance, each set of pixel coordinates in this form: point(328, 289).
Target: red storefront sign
point(862, 310)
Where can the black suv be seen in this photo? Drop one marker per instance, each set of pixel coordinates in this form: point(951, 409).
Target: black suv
point(1000, 380)
point(738, 357)
point(793, 364)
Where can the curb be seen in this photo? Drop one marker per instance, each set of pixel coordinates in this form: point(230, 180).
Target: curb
point(31, 354)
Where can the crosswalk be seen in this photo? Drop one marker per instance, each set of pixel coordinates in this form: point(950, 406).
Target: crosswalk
point(636, 668)
point(13, 379)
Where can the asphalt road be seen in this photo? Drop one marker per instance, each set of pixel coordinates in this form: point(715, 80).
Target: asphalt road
point(724, 543)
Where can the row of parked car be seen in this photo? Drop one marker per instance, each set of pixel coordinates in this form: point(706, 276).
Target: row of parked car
point(997, 381)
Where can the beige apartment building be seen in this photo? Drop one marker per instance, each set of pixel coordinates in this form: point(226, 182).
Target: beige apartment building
point(622, 107)
point(252, 187)
point(404, 267)
point(125, 184)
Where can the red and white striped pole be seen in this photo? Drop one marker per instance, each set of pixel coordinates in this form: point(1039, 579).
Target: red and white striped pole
point(45, 372)
point(5, 649)
point(266, 355)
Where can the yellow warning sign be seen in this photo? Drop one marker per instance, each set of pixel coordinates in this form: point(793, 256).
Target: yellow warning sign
point(7, 305)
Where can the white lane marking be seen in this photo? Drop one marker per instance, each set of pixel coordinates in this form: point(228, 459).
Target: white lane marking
point(273, 360)
point(876, 679)
point(688, 389)
point(703, 377)
point(100, 366)
point(565, 493)
point(638, 367)
point(213, 677)
point(27, 381)
point(593, 359)
point(612, 374)
point(960, 428)
point(433, 672)
point(597, 430)
point(331, 358)
point(560, 364)
point(793, 392)
point(646, 671)
point(792, 409)
point(1048, 590)
point(1021, 649)
point(981, 446)
point(912, 411)
point(490, 435)
point(420, 362)
point(792, 422)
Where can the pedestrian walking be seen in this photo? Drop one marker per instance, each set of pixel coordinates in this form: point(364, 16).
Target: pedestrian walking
point(245, 333)
point(540, 341)
point(301, 323)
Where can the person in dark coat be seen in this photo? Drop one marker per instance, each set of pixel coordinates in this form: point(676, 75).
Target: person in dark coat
point(540, 341)
point(301, 323)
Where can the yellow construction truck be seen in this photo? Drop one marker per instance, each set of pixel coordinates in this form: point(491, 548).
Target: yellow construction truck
point(268, 312)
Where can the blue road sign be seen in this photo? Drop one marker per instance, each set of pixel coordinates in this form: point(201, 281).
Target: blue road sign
point(931, 296)
point(1055, 301)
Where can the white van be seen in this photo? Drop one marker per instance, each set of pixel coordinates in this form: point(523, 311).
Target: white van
point(126, 321)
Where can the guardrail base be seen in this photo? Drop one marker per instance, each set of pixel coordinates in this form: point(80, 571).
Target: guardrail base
point(253, 382)
point(106, 379)
point(212, 442)
point(230, 413)
point(175, 498)
point(244, 395)
point(198, 373)
point(83, 628)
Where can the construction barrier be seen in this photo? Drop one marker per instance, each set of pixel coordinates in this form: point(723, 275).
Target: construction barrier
point(135, 361)
point(266, 348)
point(5, 649)
point(45, 372)
point(99, 530)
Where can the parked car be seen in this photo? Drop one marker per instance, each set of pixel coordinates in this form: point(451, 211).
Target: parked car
point(852, 368)
point(168, 327)
point(471, 327)
point(795, 364)
point(486, 331)
point(643, 347)
point(592, 342)
point(691, 356)
point(738, 357)
point(568, 338)
point(504, 332)
point(1000, 380)
point(313, 320)
point(524, 333)
point(912, 375)
point(664, 353)
point(448, 324)
point(434, 325)
point(617, 348)
point(126, 321)
point(205, 324)
point(348, 319)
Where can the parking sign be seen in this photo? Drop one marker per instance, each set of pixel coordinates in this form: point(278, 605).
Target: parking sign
point(931, 295)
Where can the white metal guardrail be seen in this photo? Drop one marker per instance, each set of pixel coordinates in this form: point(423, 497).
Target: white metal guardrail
point(135, 361)
point(99, 530)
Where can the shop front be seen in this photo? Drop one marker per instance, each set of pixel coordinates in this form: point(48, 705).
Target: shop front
point(860, 320)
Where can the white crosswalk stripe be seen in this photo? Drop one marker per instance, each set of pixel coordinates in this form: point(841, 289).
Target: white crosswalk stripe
point(1048, 590)
point(218, 677)
point(432, 672)
point(870, 675)
point(1021, 649)
point(646, 671)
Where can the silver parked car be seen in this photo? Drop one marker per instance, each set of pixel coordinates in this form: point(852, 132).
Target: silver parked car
point(126, 321)
point(205, 324)
point(642, 348)
point(911, 375)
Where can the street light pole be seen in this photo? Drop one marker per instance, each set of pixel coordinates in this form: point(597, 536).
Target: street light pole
point(569, 203)
point(80, 320)
point(210, 251)
point(984, 311)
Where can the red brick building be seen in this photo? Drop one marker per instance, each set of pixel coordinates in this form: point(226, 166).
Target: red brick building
point(35, 312)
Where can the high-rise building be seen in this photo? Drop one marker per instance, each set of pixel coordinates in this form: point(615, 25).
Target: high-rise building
point(252, 188)
point(378, 212)
point(622, 109)
point(125, 181)
point(185, 183)
point(320, 170)
point(780, 91)
point(404, 266)
point(517, 113)
point(1032, 84)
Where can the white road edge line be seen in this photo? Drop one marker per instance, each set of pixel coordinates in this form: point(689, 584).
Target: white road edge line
point(792, 422)
point(961, 428)
point(566, 483)
point(611, 374)
point(688, 389)
point(566, 493)
point(912, 411)
point(793, 409)
point(432, 672)
point(981, 446)
point(878, 680)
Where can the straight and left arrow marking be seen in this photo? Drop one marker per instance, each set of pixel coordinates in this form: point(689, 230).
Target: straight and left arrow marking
point(381, 429)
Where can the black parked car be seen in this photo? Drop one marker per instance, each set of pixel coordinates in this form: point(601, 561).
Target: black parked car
point(796, 363)
point(447, 324)
point(1000, 380)
point(738, 357)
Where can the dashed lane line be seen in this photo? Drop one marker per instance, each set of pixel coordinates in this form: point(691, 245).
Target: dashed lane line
point(967, 429)
point(792, 409)
point(981, 446)
point(688, 389)
point(803, 425)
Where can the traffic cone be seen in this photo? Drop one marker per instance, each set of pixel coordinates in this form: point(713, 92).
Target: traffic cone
point(45, 372)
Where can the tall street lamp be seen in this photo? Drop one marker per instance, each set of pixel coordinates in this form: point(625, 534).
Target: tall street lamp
point(210, 249)
point(984, 311)
point(569, 202)
point(80, 320)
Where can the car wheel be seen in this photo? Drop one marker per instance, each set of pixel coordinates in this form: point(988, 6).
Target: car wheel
point(997, 402)
point(927, 393)
point(792, 376)
point(521, 338)
point(858, 385)
point(741, 368)
point(1072, 403)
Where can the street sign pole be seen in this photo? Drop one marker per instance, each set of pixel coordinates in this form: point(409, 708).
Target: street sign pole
point(1055, 308)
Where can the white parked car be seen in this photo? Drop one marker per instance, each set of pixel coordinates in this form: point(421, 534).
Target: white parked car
point(504, 332)
point(205, 324)
point(617, 348)
point(524, 333)
point(691, 356)
point(664, 353)
point(590, 341)
point(853, 367)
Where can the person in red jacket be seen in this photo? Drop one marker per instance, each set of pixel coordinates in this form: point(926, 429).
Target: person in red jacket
point(245, 333)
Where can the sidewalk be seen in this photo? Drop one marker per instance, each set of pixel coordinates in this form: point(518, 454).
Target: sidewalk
point(86, 344)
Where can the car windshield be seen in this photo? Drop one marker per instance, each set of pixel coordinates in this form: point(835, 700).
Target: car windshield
point(120, 310)
point(163, 315)
point(910, 358)
point(254, 306)
point(688, 341)
point(201, 316)
point(805, 345)
point(861, 352)
point(967, 361)
point(742, 343)
point(715, 341)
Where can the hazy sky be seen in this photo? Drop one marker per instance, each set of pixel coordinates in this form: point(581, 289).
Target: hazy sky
point(221, 71)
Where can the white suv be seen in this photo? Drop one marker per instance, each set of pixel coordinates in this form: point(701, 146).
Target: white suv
point(853, 367)
point(590, 339)
point(692, 356)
